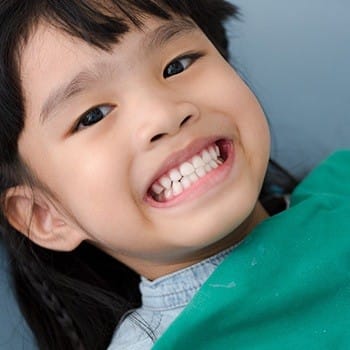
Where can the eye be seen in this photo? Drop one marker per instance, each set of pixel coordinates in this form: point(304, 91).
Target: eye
point(180, 64)
point(93, 116)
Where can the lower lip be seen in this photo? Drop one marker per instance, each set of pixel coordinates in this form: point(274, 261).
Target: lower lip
point(203, 185)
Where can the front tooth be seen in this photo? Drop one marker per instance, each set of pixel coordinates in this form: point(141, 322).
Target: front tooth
point(168, 193)
point(175, 175)
point(208, 168)
point(177, 188)
point(165, 182)
point(206, 156)
point(186, 169)
point(201, 172)
point(217, 150)
point(193, 177)
point(157, 189)
point(186, 182)
point(213, 164)
point(213, 153)
point(197, 162)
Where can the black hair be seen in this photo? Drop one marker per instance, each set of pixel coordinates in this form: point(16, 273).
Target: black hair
point(74, 300)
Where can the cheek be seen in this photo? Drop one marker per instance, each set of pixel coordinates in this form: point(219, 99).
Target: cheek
point(98, 176)
point(99, 196)
point(221, 89)
point(228, 95)
point(90, 178)
point(241, 107)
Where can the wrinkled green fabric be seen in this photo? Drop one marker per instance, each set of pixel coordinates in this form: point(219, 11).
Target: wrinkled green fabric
point(287, 285)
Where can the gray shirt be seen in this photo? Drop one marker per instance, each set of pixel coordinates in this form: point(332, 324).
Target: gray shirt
point(162, 301)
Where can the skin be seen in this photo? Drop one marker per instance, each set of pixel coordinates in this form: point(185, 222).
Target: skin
point(97, 176)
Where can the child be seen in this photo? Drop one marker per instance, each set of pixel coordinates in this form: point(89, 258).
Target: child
point(129, 147)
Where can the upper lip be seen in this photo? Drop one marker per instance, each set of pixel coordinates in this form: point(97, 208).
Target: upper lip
point(178, 157)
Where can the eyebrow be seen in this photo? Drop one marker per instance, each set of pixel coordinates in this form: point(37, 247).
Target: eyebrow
point(85, 78)
point(78, 84)
point(168, 31)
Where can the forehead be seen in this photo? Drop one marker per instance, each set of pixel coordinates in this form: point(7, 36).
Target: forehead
point(48, 49)
point(52, 59)
point(47, 54)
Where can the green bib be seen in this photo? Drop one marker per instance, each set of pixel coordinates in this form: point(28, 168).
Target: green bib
point(287, 285)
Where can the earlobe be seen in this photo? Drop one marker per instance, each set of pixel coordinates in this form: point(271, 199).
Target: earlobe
point(34, 215)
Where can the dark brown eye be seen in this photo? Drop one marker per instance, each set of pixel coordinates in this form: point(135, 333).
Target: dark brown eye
point(180, 64)
point(93, 116)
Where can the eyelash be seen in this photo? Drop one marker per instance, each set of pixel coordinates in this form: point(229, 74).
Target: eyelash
point(192, 57)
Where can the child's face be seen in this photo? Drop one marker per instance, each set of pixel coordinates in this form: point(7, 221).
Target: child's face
point(149, 117)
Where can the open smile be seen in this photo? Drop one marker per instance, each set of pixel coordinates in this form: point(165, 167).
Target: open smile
point(196, 173)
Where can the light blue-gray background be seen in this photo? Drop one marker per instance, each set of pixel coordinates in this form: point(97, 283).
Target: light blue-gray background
point(295, 55)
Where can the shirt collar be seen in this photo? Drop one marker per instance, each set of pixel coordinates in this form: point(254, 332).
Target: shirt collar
point(178, 288)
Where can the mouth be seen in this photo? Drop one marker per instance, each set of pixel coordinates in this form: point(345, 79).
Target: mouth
point(190, 173)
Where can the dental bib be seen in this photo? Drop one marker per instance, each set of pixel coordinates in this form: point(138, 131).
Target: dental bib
point(287, 285)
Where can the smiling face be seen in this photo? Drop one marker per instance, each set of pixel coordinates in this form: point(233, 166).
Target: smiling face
point(155, 150)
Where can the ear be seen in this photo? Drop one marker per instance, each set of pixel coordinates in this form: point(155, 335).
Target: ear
point(33, 214)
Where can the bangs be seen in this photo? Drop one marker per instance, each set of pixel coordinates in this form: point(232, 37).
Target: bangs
point(103, 23)
point(100, 23)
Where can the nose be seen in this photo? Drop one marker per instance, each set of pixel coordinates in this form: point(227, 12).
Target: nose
point(161, 116)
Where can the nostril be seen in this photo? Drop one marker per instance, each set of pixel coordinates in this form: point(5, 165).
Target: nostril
point(160, 135)
point(157, 137)
point(185, 120)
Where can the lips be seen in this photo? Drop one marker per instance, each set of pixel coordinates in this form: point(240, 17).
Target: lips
point(185, 170)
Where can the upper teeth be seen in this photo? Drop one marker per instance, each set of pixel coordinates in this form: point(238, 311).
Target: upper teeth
point(187, 173)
